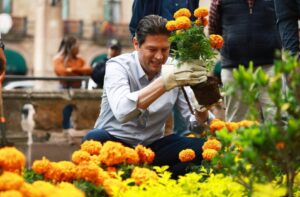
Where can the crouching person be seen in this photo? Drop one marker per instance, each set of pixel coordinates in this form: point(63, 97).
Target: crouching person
point(140, 91)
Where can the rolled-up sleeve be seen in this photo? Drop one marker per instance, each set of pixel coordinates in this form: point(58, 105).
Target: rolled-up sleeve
point(122, 101)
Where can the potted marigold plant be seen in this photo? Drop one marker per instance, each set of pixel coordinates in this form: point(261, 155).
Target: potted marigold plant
point(192, 46)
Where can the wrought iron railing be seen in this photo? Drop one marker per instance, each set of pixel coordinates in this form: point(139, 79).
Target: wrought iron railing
point(10, 78)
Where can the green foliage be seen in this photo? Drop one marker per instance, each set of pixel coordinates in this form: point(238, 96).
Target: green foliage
point(264, 152)
point(30, 176)
point(90, 189)
point(192, 44)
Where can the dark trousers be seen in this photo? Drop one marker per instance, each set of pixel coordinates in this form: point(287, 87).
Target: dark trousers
point(67, 112)
point(166, 149)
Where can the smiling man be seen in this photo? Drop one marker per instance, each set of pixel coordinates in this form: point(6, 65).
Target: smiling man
point(140, 91)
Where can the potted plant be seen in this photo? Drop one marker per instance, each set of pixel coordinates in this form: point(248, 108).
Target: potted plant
point(192, 46)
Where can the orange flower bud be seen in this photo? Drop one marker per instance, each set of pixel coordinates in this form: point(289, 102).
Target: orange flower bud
point(171, 25)
point(209, 154)
point(183, 22)
point(216, 41)
point(187, 155)
point(212, 144)
point(201, 12)
point(280, 145)
point(182, 12)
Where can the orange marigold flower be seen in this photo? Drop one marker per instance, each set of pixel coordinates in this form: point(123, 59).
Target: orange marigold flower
point(182, 12)
point(41, 166)
point(202, 22)
point(201, 12)
point(209, 154)
point(87, 171)
point(232, 126)
point(212, 144)
point(95, 159)
point(11, 193)
point(11, 159)
point(142, 175)
point(280, 145)
point(132, 156)
point(80, 156)
point(216, 125)
point(171, 25)
point(91, 146)
point(112, 153)
point(112, 186)
point(187, 155)
point(10, 181)
point(183, 22)
point(146, 155)
point(103, 175)
point(216, 41)
point(61, 171)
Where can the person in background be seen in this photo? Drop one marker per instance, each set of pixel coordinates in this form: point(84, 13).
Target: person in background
point(68, 63)
point(288, 14)
point(114, 49)
point(139, 92)
point(166, 9)
point(250, 34)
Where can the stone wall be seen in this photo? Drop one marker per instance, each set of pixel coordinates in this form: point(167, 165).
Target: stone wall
point(49, 106)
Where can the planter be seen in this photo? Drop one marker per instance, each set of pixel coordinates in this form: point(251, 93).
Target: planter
point(207, 93)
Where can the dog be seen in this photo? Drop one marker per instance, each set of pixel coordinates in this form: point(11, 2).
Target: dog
point(27, 121)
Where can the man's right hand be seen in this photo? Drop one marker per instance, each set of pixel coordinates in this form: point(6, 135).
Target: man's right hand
point(185, 74)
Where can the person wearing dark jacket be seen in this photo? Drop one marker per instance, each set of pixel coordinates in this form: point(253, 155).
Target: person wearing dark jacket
point(114, 49)
point(250, 34)
point(165, 8)
point(288, 14)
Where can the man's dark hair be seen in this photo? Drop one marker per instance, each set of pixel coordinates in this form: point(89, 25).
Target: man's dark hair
point(151, 25)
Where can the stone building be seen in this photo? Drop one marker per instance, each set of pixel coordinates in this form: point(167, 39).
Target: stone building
point(39, 25)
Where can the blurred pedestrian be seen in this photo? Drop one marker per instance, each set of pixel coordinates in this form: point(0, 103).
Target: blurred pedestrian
point(114, 49)
point(250, 34)
point(165, 8)
point(288, 14)
point(68, 63)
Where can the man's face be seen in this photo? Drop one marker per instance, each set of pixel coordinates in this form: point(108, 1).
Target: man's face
point(153, 53)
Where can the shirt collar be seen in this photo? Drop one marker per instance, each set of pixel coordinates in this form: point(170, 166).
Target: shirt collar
point(140, 72)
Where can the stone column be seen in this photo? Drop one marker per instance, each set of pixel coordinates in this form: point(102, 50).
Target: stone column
point(39, 38)
point(48, 34)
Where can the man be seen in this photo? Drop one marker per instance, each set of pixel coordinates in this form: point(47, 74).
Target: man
point(165, 8)
point(139, 93)
point(250, 34)
point(288, 13)
point(114, 49)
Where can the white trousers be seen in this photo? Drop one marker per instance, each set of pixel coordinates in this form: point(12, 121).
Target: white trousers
point(235, 109)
